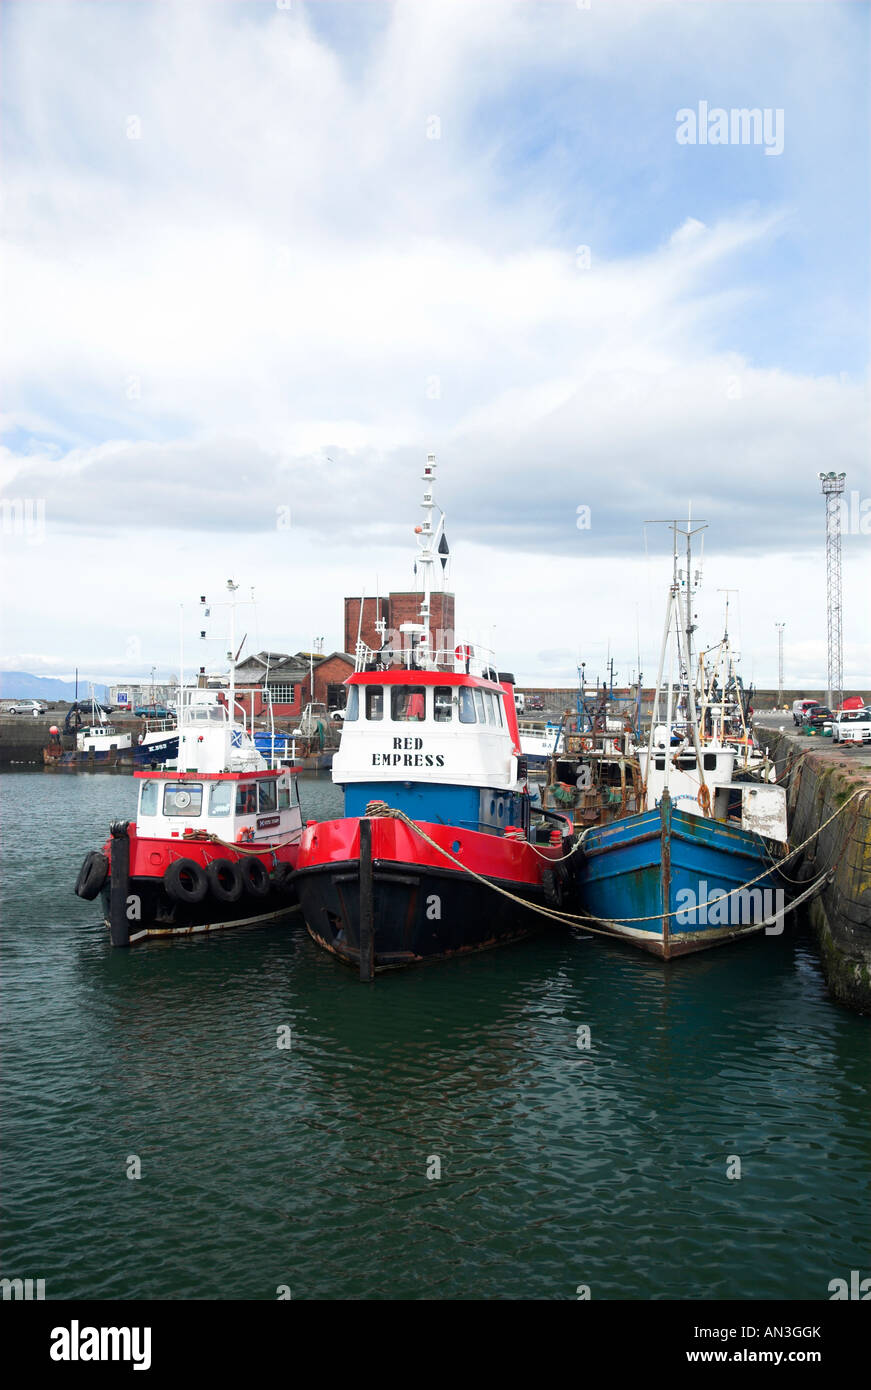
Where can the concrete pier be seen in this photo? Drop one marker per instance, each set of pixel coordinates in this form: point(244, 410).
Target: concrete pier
point(823, 778)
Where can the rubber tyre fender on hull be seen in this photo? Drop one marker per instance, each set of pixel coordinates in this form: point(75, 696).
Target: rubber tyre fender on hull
point(255, 876)
point(282, 878)
point(92, 875)
point(185, 881)
point(553, 883)
point(225, 880)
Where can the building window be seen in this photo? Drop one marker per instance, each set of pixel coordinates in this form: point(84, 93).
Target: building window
point(280, 694)
point(335, 697)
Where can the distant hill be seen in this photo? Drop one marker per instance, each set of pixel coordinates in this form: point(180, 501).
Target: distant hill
point(21, 685)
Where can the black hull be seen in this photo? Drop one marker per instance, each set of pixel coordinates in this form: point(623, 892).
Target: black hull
point(420, 913)
point(160, 916)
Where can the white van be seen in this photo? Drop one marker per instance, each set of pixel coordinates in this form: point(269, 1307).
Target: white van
point(519, 702)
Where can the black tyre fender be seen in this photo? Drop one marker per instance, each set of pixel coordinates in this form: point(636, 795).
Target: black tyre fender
point(255, 876)
point(225, 880)
point(185, 881)
point(92, 875)
point(553, 883)
point(282, 877)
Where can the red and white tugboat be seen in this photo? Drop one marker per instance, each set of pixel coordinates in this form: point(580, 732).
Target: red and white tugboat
point(439, 852)
point(215, 842)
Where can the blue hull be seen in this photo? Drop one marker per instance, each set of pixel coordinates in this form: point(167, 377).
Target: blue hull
point(155, 753)
point(672, 868)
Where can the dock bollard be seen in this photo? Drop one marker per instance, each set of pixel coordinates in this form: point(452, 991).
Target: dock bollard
point(119, 922)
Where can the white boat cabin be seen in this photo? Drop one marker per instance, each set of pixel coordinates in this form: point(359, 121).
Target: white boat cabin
point(101, 738)
point(428, 726)
point(209, 740)
point(756, 806)
point(236, 807)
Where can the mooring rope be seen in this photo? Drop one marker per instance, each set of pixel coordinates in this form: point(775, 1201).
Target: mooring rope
point(379, 809)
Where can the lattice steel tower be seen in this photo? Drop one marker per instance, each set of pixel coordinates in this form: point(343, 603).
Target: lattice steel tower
point(780, 627)
point(833, 488)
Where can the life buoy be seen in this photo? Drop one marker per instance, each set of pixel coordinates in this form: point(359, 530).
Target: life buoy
point(704, 799)
point(225, 880)
point(463, 652)
point(586, 745)
point(92, 875)
point(185, 881)
point(255, 876)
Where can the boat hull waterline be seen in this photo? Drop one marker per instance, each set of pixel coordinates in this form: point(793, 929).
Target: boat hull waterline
point(424, 907)
point(672, 868)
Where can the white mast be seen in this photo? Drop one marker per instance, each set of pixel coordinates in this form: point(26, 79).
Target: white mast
point(428, 538)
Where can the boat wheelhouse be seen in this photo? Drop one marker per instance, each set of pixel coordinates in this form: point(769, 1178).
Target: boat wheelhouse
point(693, 862)
point(215, 840)
point(437, 805)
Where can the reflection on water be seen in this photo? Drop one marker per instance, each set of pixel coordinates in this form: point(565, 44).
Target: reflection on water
point(308, 1165)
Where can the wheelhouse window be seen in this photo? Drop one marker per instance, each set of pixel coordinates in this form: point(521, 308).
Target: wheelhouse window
point(246, 799)
point(220, 799)
point(352, 708)
point(491, 706)
point(497, 701)
point(374, 702)
point(479, 706)
point(149, 795)
point(467, 706)
point(442, 707)
point(266, 796)
point(408, 702)
point(183, 798)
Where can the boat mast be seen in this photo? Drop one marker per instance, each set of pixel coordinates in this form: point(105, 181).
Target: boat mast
point(427, 539)
point(692, 582)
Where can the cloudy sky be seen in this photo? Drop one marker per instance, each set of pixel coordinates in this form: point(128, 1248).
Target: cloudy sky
point(260, 259)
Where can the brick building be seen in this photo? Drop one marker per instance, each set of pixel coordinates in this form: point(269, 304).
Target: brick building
point(286, 681)
point(272, 676)
point(396, 609)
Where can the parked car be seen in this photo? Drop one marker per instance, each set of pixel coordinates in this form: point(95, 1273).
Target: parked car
point(24, 707)
point(152, 712)
point(337, 716)
point(819, 716)
point(800, 708)
point(535, 701)
point(852, 726)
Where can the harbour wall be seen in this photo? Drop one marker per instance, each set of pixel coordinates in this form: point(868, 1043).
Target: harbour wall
point(823, 779)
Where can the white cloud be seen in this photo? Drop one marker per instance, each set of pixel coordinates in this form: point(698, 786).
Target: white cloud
point(284, 294)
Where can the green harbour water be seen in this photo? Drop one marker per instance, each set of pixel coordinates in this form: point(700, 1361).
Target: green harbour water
point(312, 1167)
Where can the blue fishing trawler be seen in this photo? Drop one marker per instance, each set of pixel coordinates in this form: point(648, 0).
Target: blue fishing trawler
point(693, 863)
